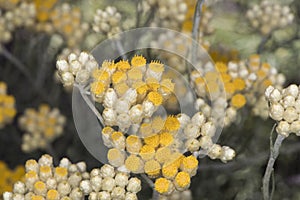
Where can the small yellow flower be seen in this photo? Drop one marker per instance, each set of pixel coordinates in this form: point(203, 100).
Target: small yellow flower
point(182, 180)
point(98, 88)
point(156, 66)
point(152, 140)
point(52, 194)
point(134, 164)
point(238, 101)
point(166, 139)
point(221, 67)
point(118, 77)
point(147, 152)
point(155, 98)
point(123, 65)
point(172, 123)
point(162, 185)
point(152, 168)
point(239, 84)
point(138, 61)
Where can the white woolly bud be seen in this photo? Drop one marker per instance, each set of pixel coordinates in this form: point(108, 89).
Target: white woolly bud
point(276, 111)
point(19, 187)
point(183, 119)
point(208, 129)
point(288, 101)
point(108, 184)
point(109, 116)
point(86, 187)
point(191, 131)
point(134, 185)
point(136, 113)
point(283, 128)
point(122, 106)
point(290, 114)
point(192, 145)
point(130, 96)
point(118, 193)
point(205, 142)
point(227, 154)
point(107, 171)
point(104, 195)
point(198, 119)
point(121, 179)
point(62, 65)
point(110, 98)
point(268, 91)
point(275, 96)
point(215, 151)
point(96, 182)
point(148, 108)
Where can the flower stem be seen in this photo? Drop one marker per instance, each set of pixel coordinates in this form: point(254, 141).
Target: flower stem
point(270, 167)
point(90, 104)
point(196, 27)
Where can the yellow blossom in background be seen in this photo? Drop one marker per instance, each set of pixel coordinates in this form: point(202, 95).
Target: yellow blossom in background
point(7, 106)
point(42, 126)
point(9, 177)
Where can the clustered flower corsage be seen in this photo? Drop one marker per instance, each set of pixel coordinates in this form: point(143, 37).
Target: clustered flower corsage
point(69, 181)
point(41, 127)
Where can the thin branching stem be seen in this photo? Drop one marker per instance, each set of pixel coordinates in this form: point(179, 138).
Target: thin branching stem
point(196, 28)
point(270, 167)
point(90, 104)
point(263, 43)
point(23, 69)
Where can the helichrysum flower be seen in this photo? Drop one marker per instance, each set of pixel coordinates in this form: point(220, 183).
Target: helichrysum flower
point(67, 21)
point(269, 16)
point(71, 181)
point(130, 91)
point(77, 68)
point(15, 14)
point(166, 17)
point(107, 21)
point(7, 106)
point(41, 127)
point(9, 177)
point(284, 107)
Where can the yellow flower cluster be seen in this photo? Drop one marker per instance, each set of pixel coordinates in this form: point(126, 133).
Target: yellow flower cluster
point(15, 14)
point(42, 126)
point(67, 21)
point(131, 91)
point(154, 152)
point(9, 177)
point(240, 83)
point(44, 9)
point(62, 18)
point(69, 181)
point(175, 42)
point(7, 106)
